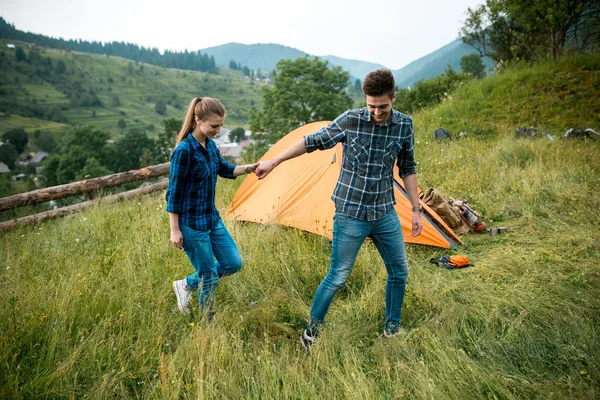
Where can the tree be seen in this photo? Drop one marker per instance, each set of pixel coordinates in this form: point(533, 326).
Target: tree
point(506, 30)
point(122, 124)
point(129, 150)
point(8, 155)
point(60, 68)
point(160, 107)
point(237, 135)
point(304, 90)
point(75, 148)
point(92, 169)
point(18, 138)
point(45, 141)
point(233, 65)
point(165, 142)
point(471, 64)
point(20, 54)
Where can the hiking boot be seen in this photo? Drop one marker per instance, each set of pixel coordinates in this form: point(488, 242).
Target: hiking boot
point(391, 332)
point(183, 295)
point(307, 340)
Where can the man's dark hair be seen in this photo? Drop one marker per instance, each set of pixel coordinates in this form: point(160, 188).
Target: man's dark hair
point(379, 82)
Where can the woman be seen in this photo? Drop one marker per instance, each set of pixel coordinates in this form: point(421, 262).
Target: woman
point(196, 226)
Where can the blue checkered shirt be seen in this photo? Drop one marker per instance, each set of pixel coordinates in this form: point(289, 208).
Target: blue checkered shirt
point(365, 187)
point(193, 180)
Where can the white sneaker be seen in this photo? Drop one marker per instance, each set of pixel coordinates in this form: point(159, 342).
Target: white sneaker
point(183, 296)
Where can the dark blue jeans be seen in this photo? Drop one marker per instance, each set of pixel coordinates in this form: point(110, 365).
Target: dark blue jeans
point(348, 236)
point(202, 247)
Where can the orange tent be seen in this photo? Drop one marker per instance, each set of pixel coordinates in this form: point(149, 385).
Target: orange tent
point(298, 193)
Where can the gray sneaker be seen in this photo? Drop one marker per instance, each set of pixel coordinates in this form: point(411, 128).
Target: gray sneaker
point(183, 295)
point(393, 332)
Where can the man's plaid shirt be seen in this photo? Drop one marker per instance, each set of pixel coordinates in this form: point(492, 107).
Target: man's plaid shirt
point(365, 187)
point(192, 182)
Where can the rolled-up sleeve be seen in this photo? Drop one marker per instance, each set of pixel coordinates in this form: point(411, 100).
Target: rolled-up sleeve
point(180, 162)
point(329, 136)
point(406, 158)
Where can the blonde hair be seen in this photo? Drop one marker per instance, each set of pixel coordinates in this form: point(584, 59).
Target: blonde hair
point(200, 107)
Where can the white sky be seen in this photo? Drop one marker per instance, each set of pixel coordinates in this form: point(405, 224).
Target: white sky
point(389, 32)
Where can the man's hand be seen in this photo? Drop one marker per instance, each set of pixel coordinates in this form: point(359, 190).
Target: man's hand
point(417, 224)
point(264, 168)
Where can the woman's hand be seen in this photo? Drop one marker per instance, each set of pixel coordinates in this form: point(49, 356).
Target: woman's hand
point(177, 239)
point(251, 167)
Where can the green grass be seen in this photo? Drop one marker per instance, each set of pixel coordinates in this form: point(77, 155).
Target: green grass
point(87, 303)
point(138, 89)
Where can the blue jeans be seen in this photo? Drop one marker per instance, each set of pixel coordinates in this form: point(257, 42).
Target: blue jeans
point(202, 247)
point(348, 236)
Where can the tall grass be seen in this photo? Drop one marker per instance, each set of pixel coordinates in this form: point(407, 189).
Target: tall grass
point(88, 310)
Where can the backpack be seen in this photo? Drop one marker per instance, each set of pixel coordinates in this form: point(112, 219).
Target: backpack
point(447, 212)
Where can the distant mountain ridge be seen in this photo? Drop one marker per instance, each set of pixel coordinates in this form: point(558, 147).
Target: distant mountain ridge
point(265, 57)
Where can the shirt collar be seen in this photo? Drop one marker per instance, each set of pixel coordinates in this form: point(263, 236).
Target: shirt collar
point(195, 143)
point(394, 118)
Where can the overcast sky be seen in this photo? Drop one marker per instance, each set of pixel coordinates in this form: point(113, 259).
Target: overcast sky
point(389, 32)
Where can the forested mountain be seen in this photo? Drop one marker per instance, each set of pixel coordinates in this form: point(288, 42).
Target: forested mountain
point(259, 56)
point(265, 57)
point(195, 60)
point(50, 89)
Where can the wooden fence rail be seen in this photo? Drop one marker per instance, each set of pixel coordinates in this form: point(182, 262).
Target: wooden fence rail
point(85, 186)
point(60, 212)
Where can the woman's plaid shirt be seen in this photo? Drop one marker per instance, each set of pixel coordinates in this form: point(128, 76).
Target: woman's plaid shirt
point(192, 182)
point(365, 187)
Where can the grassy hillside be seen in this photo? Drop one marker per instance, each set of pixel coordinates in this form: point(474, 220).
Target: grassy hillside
point(88, 308)
point(114, 89)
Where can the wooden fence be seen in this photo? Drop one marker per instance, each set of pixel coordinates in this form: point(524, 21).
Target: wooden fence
point(85, 186)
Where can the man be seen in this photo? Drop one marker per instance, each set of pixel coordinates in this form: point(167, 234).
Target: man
point(373, 139)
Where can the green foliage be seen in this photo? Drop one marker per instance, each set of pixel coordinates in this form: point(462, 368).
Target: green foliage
point(472, 64)
point(304, 90)
point(429, 92)
point(160, 107)
point(127, 152)
point(122, 125)
point(60, 68)
point(44, 141)
point(8, 154)
point(510, 30)
point(166, 140)
point(238, 134)
point(75, 148)
point(20, 54)
point(17, 137)
point(92, 169)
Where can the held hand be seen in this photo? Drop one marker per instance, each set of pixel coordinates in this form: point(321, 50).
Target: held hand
point(263, 169)
point(252, 167)
point(417, 224)
point(177, 239)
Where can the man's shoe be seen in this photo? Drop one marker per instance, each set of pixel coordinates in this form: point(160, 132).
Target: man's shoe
point(307, 340)
point(183, 296)
point(393, 332)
